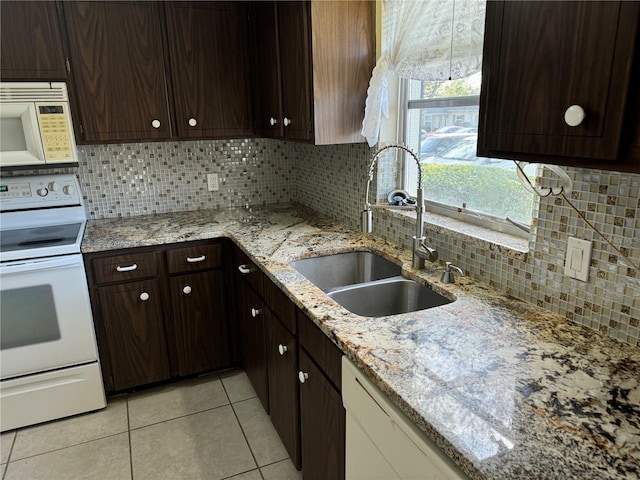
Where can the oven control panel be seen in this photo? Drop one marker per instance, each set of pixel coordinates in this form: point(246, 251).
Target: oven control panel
point(41, 191)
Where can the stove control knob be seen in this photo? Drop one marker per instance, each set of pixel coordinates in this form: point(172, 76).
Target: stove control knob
point(68, 190)
point(43, 191)
point(54, 186)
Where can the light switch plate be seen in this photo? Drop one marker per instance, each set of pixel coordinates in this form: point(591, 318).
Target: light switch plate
point(212, 182)
point(578, 259)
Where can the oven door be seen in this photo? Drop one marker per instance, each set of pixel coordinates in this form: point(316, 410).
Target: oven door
point(45, 316)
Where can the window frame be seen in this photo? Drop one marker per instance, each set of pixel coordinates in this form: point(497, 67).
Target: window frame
point(408, 179)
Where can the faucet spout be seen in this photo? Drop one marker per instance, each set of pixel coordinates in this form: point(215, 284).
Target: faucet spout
point(421, 251)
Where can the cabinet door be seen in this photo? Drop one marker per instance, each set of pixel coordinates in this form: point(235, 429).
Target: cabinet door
point(267, 61)
point(295, 63)
point(199, 321)
point(117, 60)
point(132, 317)
point(540, 58)
point(30, 42)
point(284, 401)
point(254, 355)
point(343, 41)
point(209, 52)
point(322, 422)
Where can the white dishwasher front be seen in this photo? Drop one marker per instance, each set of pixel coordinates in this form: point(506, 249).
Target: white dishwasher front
point(382, 443)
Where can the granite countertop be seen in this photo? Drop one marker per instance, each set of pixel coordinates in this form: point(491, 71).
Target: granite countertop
point(506, 389)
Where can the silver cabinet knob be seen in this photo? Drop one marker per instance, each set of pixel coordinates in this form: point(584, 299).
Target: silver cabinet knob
point(155, 123)
point(286, 122)
point(282, 349)
point(302, 376)
point(255, 312)
point(144, 296)
point(193, 122)
point(186, 290)
point(43, 192)
point(272, 121)
point(574, 115)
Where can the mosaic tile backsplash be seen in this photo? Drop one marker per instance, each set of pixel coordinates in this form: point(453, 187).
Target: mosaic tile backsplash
point(609, 302)
point(137, 179)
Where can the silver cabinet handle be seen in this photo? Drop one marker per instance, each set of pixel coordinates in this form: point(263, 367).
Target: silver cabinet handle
point(246, 268)
point(286, 122)
point(255, 312)
point(193, 122)
point(186, 290)
point(282, 349)
point(272, 121)
point(302, 376)
point(196, 259)
point(130, 268)
point(155, 123)
point(144, 296)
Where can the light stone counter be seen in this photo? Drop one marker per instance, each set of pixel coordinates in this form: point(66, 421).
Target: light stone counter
point(506, 389)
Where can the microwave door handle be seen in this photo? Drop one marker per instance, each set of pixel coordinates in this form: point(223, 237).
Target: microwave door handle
point(39, 265)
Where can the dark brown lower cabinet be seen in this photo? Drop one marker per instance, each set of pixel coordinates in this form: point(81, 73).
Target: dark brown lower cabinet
point(284, 402)
point(133, 323)
point(322, 421)
point(198, 318)
point(254, 355)
point(159, 312)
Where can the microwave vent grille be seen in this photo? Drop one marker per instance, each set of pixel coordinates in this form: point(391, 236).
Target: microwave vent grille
point(33, 92)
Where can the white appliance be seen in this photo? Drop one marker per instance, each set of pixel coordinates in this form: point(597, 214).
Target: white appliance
point(35, 124)
point(382, 443)
point(48, 356)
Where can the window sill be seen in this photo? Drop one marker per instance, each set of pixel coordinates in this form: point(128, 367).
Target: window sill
point(505, 244)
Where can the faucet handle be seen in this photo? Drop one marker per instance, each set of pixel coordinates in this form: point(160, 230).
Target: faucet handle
point(447, 275)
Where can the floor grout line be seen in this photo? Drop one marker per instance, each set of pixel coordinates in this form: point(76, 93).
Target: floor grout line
point(129, 430)
point(129, 437)
point(244, 435)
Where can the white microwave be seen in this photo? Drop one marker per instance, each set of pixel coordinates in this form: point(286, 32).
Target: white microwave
point(35, 125)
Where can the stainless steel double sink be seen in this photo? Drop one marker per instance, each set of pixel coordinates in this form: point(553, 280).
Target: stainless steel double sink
point(367, 284)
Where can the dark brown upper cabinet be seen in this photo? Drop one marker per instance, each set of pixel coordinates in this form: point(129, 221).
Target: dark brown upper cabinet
point(155, 71)
point(30, 42)
point(313, 62)
point(540, 58)
point(209, 52)
point(117, 60)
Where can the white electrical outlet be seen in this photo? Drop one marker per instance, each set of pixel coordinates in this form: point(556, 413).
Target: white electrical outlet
point(212, 182)
point(578, 259)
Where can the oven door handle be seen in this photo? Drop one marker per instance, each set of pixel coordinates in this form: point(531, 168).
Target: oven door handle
point(41, 264)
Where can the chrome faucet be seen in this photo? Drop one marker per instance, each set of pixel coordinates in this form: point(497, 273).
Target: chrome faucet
point(421, 251)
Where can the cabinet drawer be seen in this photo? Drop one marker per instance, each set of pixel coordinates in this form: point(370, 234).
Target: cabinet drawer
point(188, 259)
point(280, 304)
point(248, 270)
point(121, 268)
point(326, 354)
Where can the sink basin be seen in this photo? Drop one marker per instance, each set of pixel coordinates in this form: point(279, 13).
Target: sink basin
point(388, 297)
point(333, 271)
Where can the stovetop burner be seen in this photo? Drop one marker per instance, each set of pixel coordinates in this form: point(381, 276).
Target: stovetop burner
point(27, 238)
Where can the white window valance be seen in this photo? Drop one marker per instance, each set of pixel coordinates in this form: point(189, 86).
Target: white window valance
point(424, 40)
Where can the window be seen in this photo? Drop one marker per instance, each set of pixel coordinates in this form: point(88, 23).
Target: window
point(441, 125)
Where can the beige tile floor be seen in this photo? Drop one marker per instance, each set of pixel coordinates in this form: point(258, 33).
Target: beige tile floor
point(212, 427)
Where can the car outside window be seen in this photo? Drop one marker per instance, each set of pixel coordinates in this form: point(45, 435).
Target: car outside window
point(441, 124)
